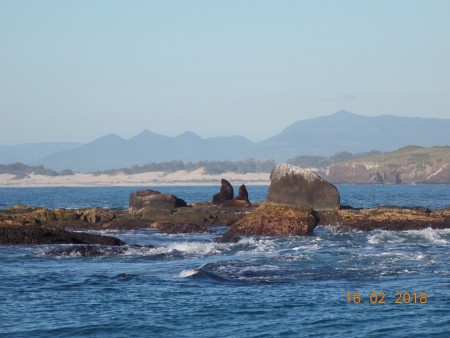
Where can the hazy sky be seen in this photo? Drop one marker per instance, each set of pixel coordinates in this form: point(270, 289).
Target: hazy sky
point(77, 70)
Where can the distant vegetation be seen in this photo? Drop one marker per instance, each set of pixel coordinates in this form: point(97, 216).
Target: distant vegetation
point(321, 162)
point(211, 167)
point(407, 155)
point(21, 170)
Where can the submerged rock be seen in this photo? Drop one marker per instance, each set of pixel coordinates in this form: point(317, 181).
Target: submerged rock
point(276, 220)
point(45, 234)
point(228, 238)
point(179, 228)
point(293, 185)
point(93, 250)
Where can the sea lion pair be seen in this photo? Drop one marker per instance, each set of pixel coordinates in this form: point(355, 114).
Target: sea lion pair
point(227, 194)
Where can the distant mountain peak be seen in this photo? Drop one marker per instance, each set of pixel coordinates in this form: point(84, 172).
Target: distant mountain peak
point(188, 133)
point(344, 113)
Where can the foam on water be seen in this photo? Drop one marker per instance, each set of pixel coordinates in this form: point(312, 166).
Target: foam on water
point(186, 273)
point(428, 235)
point(183, 248)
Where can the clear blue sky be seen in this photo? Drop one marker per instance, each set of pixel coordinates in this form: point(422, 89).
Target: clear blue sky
point(77, 70)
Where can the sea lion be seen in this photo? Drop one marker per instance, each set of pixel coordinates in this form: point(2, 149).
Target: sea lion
point(226, 192)
point(240, 201)
point(243, 193)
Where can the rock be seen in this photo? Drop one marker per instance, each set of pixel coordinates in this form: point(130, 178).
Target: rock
point(152, 199)
point(228, 238)
point(237, 203)
point(226, 192)
point(45, 234)
point(96, 215)
point(93, 250)
point(206, 213)
point(86, 251)
point(292, 185)
point(179, 228)
point(391, 218)
point(276, 220)
point(46, 215)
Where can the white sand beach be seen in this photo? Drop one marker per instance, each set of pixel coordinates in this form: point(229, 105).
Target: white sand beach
point(182, 177)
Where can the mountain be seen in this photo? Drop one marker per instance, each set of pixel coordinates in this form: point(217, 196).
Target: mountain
point(343, 130)
point(32, 152)
point(112, 151)
point(324, 136)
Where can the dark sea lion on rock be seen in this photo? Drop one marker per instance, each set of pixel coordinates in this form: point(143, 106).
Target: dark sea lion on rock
point(240, 201)
point(226, 192)
point(243, 194)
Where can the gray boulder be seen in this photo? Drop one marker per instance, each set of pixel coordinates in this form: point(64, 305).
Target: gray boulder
point(152, 199)
point(293, 185)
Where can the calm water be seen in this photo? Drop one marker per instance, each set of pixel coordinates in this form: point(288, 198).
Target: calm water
point(190, 286)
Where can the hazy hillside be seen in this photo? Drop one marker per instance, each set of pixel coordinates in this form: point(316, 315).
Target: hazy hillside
point(32, 152)
point(112, 151)
point(410, 164)
point(323, 136)
point(328, 135)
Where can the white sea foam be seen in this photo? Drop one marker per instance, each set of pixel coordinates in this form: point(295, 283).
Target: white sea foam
point(189, 248)
point(437, 236)
point(384, 236)
point(428, 235)
point(258, 245)
point(186, 273)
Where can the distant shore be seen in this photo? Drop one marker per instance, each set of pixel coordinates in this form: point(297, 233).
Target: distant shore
point(178, 178)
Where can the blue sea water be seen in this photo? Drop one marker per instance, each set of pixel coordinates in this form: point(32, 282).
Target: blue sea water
point(191, 286)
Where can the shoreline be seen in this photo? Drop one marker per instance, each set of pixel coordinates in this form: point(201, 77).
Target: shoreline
point(179, 178)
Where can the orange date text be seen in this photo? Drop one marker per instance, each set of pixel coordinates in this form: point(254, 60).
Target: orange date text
point(383, 298)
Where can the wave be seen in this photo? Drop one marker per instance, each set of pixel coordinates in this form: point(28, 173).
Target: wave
point(428, 235)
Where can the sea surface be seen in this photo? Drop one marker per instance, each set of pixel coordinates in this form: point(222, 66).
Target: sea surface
point(329, 284)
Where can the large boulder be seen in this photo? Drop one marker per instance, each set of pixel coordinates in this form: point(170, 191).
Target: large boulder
point(152, 199)
point(276, 220)
point(293, 185)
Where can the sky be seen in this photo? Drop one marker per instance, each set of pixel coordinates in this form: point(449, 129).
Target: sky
point(77, 70)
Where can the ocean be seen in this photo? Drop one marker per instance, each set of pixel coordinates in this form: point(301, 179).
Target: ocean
point(329, 284)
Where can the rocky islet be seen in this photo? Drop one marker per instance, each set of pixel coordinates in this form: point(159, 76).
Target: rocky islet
point(298, 201)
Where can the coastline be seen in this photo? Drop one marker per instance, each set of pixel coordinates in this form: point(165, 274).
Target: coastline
point(178, 178)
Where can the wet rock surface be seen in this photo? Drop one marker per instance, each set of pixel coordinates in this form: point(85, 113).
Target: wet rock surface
point(93, 250)
point(387, 218)
point(46, 234)
point(179, 228)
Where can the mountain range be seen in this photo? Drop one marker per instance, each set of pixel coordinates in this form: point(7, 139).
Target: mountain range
point(323, 136)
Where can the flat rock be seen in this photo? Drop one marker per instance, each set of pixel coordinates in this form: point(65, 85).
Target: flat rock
point(390, 218)
point(45, 234)
point(179, 228)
